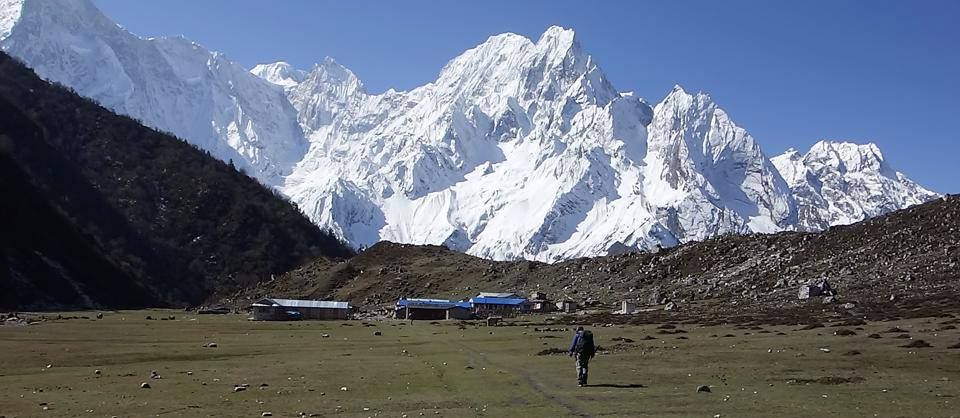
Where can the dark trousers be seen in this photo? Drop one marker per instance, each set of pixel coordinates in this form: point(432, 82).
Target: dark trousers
point(583, 364)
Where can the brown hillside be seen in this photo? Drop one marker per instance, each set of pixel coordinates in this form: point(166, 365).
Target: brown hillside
point(911, 255)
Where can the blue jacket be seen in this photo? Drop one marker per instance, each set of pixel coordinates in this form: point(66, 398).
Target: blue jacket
point(573, 345)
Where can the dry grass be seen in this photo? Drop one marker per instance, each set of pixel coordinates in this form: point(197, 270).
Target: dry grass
point(441, 370)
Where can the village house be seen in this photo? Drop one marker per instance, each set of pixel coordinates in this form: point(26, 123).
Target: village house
point(432, 309)
point(484, 306)
point(539, 302)
point(291, 310)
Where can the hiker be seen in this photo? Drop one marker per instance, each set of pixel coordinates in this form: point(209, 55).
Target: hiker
point(582, 349)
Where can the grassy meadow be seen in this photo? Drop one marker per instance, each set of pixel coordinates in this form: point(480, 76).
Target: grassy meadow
point(446, 369)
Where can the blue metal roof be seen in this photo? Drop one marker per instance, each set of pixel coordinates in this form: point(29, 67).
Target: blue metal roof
point(498, 301)
point(432, 303)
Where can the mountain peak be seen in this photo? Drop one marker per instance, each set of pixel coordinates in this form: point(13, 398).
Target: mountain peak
point(558, 34)
point(680, 99)
point(77, 14)
point(559, 42)
point(841, 182)
point(330, 71)
point(280, 73)
point(848, 155)
point(791, 154)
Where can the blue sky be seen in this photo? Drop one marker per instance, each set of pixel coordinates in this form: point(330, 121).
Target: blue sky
point(790, 73)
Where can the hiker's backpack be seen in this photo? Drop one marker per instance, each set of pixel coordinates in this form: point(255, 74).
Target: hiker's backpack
point(585, 344)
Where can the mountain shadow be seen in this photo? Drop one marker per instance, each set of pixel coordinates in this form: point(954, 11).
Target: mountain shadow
point(100, 211)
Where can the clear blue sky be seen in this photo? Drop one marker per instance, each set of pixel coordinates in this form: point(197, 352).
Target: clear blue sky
point(790, 73)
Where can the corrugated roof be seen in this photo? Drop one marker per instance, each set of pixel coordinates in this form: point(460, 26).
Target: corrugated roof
point(498, 301)
point(496, 295)
point(293, 303)
point(432, 303)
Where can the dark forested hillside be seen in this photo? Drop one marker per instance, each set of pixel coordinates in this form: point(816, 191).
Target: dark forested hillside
point(98, 210)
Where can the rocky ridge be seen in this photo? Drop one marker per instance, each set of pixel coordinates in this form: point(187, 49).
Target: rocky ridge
point(909, 255)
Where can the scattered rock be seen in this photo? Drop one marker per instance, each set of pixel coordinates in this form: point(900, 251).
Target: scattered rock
point(377, 333)
point(826, 380)
point(551, 351)
point(670, 306)
point(266, 414)
point(917, 344)
point(144, 385)
point(703, 389)
point(843, 332)
point(852, 353)
point(99, 315)
point(874, 336)
point(97, 372)
point(239, 388)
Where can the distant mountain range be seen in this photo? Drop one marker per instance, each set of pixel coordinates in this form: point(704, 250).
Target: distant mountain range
point(519, 149)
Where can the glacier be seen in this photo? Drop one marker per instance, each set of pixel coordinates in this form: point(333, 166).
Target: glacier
point(520, 149)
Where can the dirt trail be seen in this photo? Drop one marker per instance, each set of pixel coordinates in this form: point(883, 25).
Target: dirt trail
point(523, 374)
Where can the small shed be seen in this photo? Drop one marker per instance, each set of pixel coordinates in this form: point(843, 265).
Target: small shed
point(567, 306)
point(432, 309)
point(292, 309)
point(506, 307)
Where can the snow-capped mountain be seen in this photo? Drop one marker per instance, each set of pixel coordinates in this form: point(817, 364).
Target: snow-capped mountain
point(525, 149)
point(168, 83)
point(519, 149)
point(839, 183)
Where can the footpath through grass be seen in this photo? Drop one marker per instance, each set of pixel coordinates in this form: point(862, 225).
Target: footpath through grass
point(49, 369)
